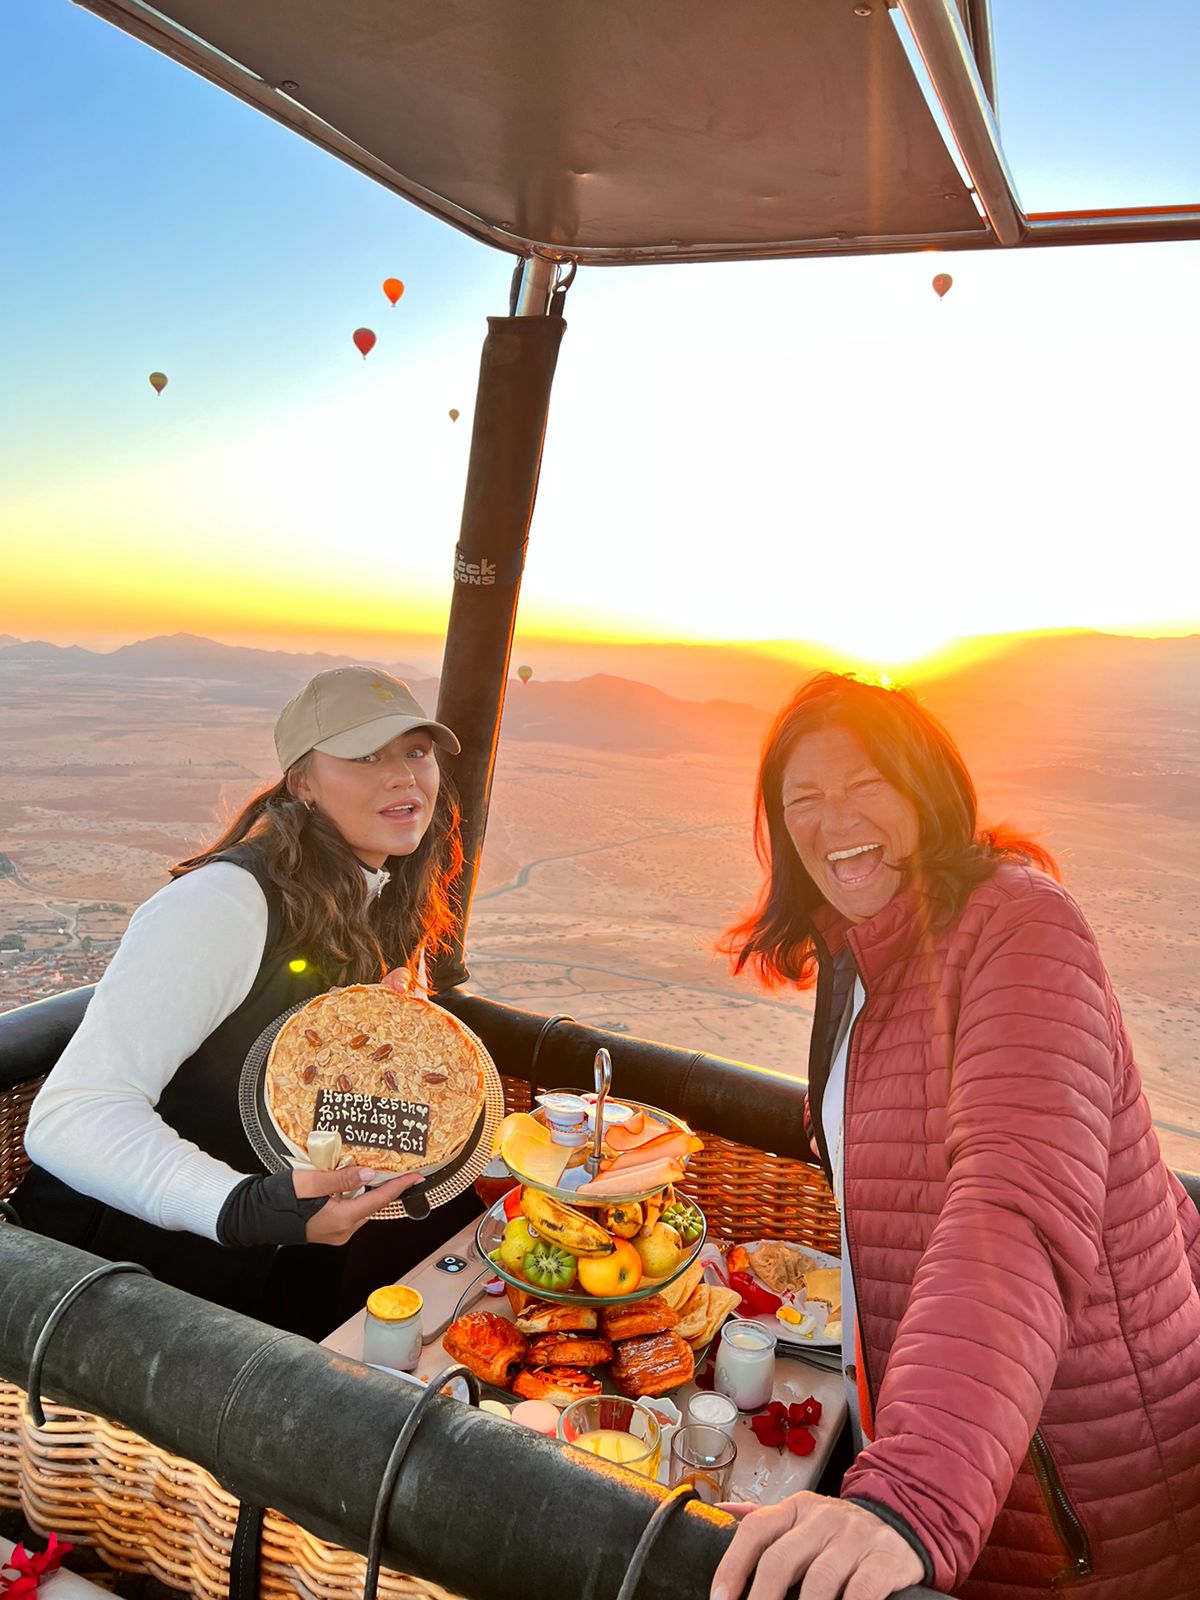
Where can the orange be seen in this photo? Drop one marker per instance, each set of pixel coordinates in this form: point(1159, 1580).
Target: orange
point(394, 1303)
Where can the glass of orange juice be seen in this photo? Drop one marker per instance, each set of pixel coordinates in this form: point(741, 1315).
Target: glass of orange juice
point(622, 1431)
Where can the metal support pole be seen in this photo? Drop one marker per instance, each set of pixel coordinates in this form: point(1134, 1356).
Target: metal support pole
point(941, 39)
point(515, 375)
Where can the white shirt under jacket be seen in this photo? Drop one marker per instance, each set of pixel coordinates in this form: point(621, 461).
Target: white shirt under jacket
point(188, 959)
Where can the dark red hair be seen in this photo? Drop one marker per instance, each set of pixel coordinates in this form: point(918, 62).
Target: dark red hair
point(919, 758)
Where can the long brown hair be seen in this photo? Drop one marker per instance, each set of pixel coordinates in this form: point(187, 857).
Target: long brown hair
point(917, 756)
point(320, 882)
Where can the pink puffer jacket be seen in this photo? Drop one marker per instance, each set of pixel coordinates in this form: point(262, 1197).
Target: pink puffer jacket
point(1022, 1258)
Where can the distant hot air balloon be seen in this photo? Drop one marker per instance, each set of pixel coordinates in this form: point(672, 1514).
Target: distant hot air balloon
point(158, 381)
point(365, 340)
point(393, 288)
point(524, 673)
point(453, 413)
point(942, 284)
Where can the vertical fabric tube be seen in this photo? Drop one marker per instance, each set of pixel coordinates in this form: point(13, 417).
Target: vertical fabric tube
point(515, 375)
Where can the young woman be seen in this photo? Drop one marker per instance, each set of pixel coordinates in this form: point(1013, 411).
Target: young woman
point(1022, 1323)
point(341, 872)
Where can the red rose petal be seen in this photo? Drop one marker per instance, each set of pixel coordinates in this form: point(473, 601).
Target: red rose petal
point(800, 1442)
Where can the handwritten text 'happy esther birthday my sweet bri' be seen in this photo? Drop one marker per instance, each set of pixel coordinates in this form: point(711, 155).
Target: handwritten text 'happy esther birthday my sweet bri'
point(374, 1121)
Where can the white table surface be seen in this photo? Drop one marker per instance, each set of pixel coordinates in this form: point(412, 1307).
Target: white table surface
point(760, 1475)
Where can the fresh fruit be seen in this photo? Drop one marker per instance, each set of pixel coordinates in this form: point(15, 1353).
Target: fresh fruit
point(623, 1220)
point(517, 1240)
point(512, 1203)
point(620, 1272)
point(653, 1208)
point(528, 1151)
point(660, 1251)
point(548, 1266)
point(685, 1219)
point(563, 1225)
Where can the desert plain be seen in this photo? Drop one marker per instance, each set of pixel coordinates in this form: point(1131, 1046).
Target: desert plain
point(610, 866)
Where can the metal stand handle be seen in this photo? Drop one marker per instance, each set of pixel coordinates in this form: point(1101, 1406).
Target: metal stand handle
point(535, 1056)
point(33, 1385)
point(658, 1521)
point(395, 1461)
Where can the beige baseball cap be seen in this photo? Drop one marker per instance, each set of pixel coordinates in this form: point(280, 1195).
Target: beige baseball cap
point(351, 711)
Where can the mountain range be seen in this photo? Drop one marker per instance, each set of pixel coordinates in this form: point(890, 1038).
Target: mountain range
point(704, 698)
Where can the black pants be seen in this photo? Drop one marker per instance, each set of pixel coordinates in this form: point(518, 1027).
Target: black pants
point(307, 1289)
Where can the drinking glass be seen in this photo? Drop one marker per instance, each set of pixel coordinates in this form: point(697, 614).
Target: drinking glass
point(614, 1429)
point(703, 1457)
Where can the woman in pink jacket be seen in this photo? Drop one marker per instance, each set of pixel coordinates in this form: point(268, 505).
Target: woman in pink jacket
point(1019, 1267)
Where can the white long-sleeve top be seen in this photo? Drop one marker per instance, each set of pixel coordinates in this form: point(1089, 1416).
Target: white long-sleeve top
point(187, 961)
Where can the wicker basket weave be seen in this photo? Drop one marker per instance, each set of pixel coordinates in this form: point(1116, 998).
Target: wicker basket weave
point(145, 1510)
point(14, 1114)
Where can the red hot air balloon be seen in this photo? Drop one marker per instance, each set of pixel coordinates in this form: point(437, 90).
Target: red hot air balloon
point(365, 340)
point(393, 288)
point(942, 285)
point(158, 381)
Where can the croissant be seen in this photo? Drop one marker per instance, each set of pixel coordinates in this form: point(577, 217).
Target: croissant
point(652, 1315)
point(488, 1344)
point(568, 1350)
point(559, 1385)
point(541, 1316)
point(651, 1365)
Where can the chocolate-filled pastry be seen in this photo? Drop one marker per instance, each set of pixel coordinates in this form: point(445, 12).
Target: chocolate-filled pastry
point(541, 1316)
point(568, 1350)
point(651, 1315)
point(487, 1344)
point(651, 1365)
point(559, 1385)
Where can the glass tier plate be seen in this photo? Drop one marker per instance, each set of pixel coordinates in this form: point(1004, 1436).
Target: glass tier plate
point(491, 1228)
point(570, 1196)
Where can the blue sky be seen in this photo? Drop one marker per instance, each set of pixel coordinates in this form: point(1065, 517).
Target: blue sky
point(154, 222)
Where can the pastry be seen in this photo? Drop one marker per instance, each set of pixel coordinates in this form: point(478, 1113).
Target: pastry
point(651, 1365)
point(568, 1350)
point(488, 1345)
point(396, 1071)
point(680, 1290)
point(541, 1316)
point(780, 1266)
point(559, 1385)
point(651, 1315)
point(704, 1313)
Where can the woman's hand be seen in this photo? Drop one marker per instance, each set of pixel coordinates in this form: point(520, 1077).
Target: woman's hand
point(341, 1216)
point(841, 1549)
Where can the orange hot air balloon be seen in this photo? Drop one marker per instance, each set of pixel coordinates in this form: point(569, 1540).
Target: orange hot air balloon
point(365, 340)
point(453, 413)
point(942, 285)
point(158, 381)
point(393, 288)
point(524, 673)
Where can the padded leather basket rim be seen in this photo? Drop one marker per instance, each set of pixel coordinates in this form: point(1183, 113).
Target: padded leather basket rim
point(441, 1185)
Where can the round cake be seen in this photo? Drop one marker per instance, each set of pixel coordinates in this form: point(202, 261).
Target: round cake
point(399, 1079)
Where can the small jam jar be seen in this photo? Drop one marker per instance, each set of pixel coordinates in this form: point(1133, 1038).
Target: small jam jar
point(392, 1336)
point(745, 1369)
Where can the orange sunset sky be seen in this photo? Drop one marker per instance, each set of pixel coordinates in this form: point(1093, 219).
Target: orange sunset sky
point(818, 451)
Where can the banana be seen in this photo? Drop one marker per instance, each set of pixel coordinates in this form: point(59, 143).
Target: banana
point(623, 1220)
point(561, 1225)
point(652, 1209)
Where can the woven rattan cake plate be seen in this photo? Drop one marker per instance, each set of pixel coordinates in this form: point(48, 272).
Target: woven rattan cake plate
point(442, 1183)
